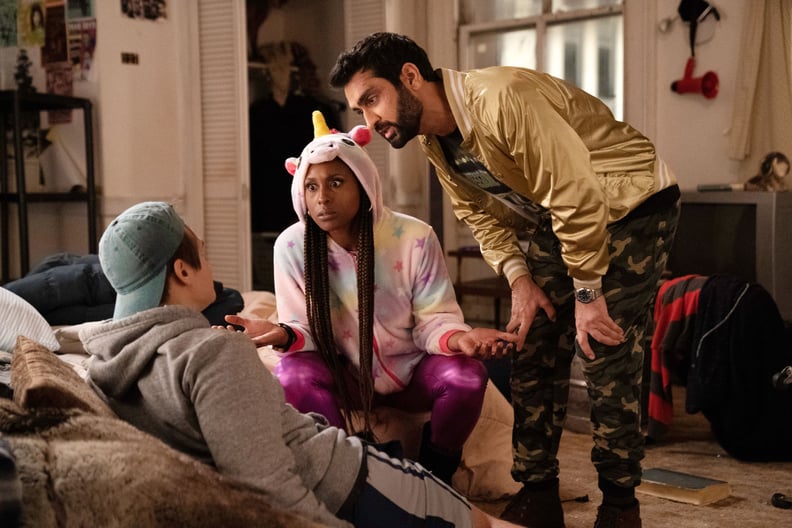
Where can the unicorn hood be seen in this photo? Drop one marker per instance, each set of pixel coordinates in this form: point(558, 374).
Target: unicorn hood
point(327, 146)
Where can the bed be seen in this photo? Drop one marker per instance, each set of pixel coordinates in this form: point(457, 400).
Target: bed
point(47, 367)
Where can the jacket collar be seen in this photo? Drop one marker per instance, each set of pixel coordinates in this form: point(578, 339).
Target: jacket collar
point(454, 86)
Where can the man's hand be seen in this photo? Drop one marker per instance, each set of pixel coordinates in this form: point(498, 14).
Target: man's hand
point(592, 319)
point(261, 331)
point(527, 300)
point(483, 343)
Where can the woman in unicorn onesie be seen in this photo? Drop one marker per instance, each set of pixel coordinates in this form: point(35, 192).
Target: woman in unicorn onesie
point(368, 314)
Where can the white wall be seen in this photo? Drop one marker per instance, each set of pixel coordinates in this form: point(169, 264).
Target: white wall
point(140, 127)
point(692, 131)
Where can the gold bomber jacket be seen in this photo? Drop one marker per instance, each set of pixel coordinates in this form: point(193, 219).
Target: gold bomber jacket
point(555, 145)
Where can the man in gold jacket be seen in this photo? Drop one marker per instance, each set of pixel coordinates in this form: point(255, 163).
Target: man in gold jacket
point(527, 157)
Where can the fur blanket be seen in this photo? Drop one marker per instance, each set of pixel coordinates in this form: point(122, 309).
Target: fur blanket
point(78, 467)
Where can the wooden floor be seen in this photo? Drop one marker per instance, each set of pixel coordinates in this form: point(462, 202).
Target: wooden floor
point(691, 448)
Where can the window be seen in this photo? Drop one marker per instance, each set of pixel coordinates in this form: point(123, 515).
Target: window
point(580, 41)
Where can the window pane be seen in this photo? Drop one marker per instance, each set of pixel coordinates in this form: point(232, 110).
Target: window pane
point(574, 5)
point(507, 48)
point(589, 54)
point(474, 11)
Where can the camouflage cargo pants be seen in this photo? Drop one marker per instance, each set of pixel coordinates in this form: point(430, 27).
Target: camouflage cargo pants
point(639, 250)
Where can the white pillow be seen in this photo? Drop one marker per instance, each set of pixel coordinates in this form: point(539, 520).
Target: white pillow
point(18, 317)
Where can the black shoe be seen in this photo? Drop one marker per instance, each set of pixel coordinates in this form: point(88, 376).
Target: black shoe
point(441, 463)
point(610, 516)
point(536, 506)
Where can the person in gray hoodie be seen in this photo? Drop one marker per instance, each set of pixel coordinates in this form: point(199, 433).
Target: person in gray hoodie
point(204, 391)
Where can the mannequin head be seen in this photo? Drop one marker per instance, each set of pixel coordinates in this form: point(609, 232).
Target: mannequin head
point(772, 175)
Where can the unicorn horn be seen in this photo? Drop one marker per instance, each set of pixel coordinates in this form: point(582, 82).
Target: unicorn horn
point(319, 123)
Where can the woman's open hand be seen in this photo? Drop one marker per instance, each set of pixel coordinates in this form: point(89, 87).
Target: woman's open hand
point(483, 343)
point(261, 331)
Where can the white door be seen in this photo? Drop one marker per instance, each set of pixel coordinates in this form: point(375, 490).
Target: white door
point(224, 174)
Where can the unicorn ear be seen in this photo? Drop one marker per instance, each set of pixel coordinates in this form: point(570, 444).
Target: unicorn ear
point(291, 165)
point(361, 135)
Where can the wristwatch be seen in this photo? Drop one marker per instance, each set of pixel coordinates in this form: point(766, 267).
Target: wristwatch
point(586, 295)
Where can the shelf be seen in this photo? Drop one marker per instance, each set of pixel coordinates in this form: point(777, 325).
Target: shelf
point(497, 288)
point(13, 105)
point(13, 197)
point(40, 101)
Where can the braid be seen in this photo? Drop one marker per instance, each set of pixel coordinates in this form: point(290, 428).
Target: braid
point(365, 283)
point(317, 307)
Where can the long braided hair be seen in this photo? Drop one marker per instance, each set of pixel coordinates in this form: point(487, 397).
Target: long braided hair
point(317, 297)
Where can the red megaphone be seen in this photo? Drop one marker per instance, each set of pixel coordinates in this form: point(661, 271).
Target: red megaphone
point(706, 85)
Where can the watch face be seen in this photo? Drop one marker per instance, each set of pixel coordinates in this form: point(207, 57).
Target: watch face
point(584, 295)
point(587, 295)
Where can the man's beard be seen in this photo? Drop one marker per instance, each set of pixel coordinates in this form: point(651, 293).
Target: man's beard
point(408, 118)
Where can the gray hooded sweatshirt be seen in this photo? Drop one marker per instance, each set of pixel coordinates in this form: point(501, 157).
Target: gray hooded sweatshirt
point(206, 393)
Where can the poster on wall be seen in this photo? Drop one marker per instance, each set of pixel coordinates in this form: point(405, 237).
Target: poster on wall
point(59, 82)
point(82, 44)
point(8, 23)
point(80, 9)
point(55, 46)
point(31, 23)
point(146, 9)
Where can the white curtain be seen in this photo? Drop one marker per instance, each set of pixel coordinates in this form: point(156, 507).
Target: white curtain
point(762, 116)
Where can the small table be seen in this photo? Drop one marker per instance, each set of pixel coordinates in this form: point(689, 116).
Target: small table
point(495, 287)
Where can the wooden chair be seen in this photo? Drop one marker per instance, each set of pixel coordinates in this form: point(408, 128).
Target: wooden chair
point(497, 288)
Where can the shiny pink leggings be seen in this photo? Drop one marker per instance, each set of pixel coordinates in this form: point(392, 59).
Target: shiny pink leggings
point(451, 387)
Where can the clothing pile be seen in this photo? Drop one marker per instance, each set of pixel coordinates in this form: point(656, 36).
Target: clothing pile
point(726, 342)
point(69, 289)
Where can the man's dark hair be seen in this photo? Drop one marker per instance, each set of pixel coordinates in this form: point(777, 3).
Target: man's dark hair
point(383, 54)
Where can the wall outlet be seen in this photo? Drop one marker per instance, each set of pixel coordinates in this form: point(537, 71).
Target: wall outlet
point(129, 58)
